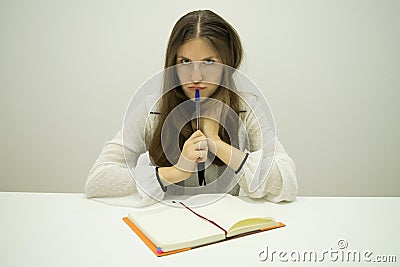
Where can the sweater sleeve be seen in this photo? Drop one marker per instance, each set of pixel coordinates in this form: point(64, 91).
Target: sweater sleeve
point(268, 171)
point(109, 176)
point(116, 178)
point(275, 182)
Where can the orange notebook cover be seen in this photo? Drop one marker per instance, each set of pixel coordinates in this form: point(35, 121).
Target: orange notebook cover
point(158, 253)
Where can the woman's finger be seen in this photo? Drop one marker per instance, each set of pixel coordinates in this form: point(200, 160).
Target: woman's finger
point(202, 156)
point(194, 135)
point(198, 140)
point(201, 145)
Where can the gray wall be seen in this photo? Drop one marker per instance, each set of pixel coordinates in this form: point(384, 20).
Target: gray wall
point(330, 71)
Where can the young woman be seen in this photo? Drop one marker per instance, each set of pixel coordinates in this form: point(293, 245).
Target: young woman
point(220, 157)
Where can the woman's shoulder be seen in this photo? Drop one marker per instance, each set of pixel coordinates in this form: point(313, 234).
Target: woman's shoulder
point(152, 103)
point(248, 101)
point(139, 109)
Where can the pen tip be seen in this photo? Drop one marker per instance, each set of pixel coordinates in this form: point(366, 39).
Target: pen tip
point(197, 93)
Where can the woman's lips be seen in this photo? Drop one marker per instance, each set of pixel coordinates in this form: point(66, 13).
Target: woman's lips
point(193, 88)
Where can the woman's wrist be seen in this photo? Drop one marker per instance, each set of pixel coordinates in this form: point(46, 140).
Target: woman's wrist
point(214, 137)
point(212, 144)
point(230, 155)
point(180, 173)
point(212, 141)
point(172, 175)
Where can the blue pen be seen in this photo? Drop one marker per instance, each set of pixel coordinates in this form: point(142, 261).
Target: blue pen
point(197, 100)
point(200, 165)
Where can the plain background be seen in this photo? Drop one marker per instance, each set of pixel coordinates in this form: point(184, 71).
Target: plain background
point(329, 69)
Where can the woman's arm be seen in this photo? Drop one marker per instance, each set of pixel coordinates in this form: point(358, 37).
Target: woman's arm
point(270, 175)
point(109, 176)
point(116, 175)
point(113, 182)
point(172, 175)
point(230, 155)
point(268, 172)
point(265, 171)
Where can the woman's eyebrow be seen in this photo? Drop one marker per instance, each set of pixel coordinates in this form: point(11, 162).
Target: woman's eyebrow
point(210, 57)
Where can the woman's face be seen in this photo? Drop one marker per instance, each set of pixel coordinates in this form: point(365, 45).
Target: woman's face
point(198, 66)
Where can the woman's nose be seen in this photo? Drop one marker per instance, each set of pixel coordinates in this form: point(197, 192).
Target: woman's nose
point(196, 73)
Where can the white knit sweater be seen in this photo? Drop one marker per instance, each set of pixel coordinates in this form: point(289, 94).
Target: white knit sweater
point(265, 174)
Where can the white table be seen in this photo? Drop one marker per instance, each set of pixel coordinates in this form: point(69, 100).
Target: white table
point(46, 229)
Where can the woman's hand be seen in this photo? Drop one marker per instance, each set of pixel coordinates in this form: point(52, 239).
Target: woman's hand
point(194, 150)
point(211, 110)
point(230, 155)
point(210, 128)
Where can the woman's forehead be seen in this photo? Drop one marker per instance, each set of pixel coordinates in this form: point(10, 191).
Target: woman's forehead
point(196, 50)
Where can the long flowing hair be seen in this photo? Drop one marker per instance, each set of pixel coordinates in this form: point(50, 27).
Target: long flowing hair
point(217, 32)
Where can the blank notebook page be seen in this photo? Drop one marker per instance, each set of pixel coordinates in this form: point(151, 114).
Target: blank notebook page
point(169, 225)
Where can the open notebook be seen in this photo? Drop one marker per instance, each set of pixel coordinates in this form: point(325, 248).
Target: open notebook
point(197, 221)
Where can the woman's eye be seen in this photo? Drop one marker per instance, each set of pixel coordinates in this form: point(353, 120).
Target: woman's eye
point(185, 61)
point(209, 61)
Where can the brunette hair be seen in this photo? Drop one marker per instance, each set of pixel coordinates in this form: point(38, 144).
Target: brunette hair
point(212, 28)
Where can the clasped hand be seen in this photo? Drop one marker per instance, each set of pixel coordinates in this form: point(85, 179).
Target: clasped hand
point(196, 147)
